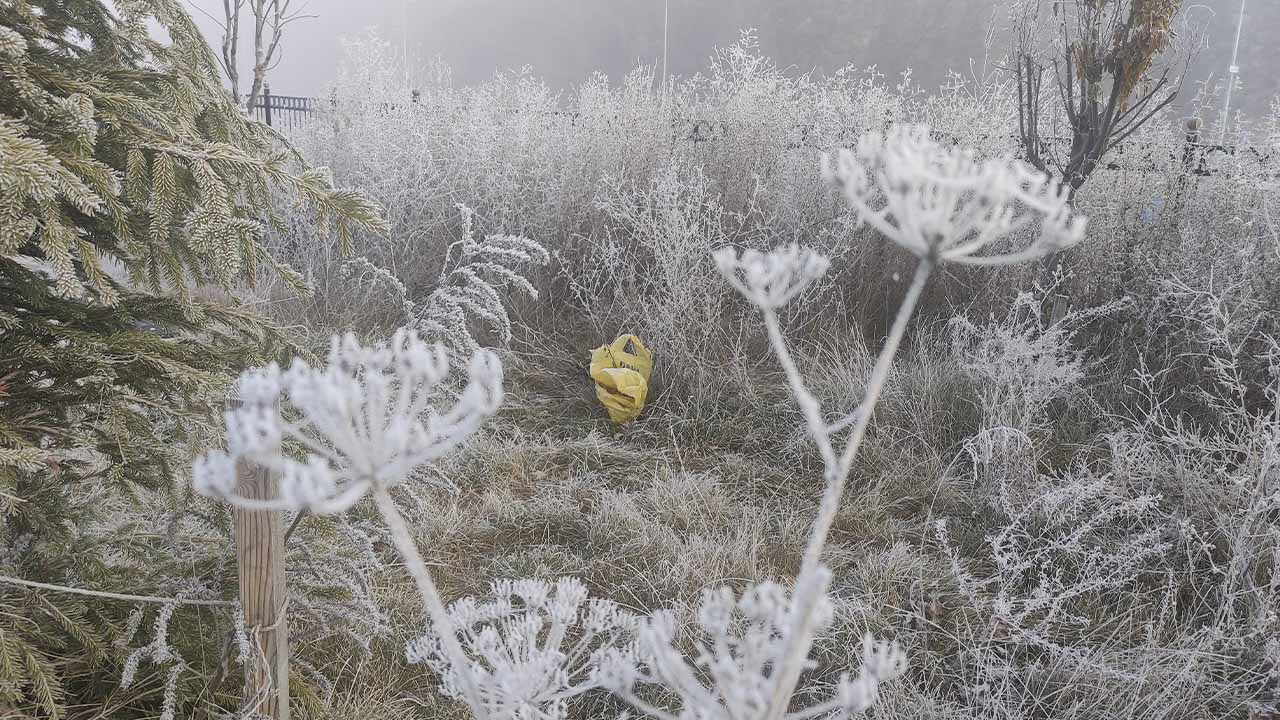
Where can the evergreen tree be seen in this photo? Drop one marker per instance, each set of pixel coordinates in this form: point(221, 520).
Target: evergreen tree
point(128, 179)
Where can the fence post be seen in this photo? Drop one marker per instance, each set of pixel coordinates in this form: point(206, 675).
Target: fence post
point(266, 102)
point(259, 538)
point(1190, 154)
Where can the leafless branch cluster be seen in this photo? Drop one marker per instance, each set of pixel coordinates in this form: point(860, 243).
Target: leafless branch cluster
point(1106, 57)
point(270, 17)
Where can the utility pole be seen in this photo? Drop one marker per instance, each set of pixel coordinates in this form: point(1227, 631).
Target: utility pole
point(665, 3)
point(1232, 73)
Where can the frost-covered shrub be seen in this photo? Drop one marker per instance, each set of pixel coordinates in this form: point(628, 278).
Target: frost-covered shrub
point(655, 267)
point(471, 287)
point(1022, 361)
point(1069, 542)
point(1214, 441)
point(374, 296)
point(537, 164)
point(1168, 522)
point(604, 179)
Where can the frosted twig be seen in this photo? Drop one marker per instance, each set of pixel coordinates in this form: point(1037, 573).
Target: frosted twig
point(156, 599)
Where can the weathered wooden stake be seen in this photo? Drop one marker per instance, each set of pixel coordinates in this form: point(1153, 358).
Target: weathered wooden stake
point(266, 102)
point(259, 536)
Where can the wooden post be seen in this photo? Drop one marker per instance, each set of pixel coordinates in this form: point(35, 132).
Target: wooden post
point(1192, 157)
point(266, 102)
point(259, 536)
point(1192, 160)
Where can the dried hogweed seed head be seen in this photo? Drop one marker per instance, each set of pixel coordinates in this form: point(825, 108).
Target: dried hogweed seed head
point(530, 646)
point(742, 644)
point(881, 662)
point(770, 279)
point(370, 415)
point(944, 204)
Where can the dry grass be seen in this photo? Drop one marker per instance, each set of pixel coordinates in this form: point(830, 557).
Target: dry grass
point(651, 513)
point(717, 484)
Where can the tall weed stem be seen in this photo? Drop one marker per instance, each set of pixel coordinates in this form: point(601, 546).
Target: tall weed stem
point(435, 607)
point(812, 580)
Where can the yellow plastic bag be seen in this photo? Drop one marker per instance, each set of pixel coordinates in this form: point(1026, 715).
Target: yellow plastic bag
point(622, 377)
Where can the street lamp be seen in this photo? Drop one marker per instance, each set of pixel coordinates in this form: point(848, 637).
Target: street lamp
point(1232, 72)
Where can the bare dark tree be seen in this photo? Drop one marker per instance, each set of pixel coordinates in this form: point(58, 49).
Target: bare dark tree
point(1113, 68)
point(1103, 54)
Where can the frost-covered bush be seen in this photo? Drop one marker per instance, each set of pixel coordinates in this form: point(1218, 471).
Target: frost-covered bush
point(656, 269)
point(1167, 523)
point(471, 286)
point(555, 168)
point(1068, 540)
point(1023, 362)
point(607, 180)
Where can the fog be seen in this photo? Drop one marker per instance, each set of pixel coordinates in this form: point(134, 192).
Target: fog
point(564, 41)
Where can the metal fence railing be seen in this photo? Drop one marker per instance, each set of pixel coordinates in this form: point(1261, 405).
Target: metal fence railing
point(283, 112)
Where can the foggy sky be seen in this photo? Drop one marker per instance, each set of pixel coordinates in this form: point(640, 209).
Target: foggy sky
point(566, 40)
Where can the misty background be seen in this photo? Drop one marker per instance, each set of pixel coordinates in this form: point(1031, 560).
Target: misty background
point(564, 41)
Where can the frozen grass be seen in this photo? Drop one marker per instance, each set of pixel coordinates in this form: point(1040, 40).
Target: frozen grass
point(649, 518)
point(1073, 521)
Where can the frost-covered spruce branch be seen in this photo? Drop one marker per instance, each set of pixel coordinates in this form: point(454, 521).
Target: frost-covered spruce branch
point(940, 204)
point(158, 651)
